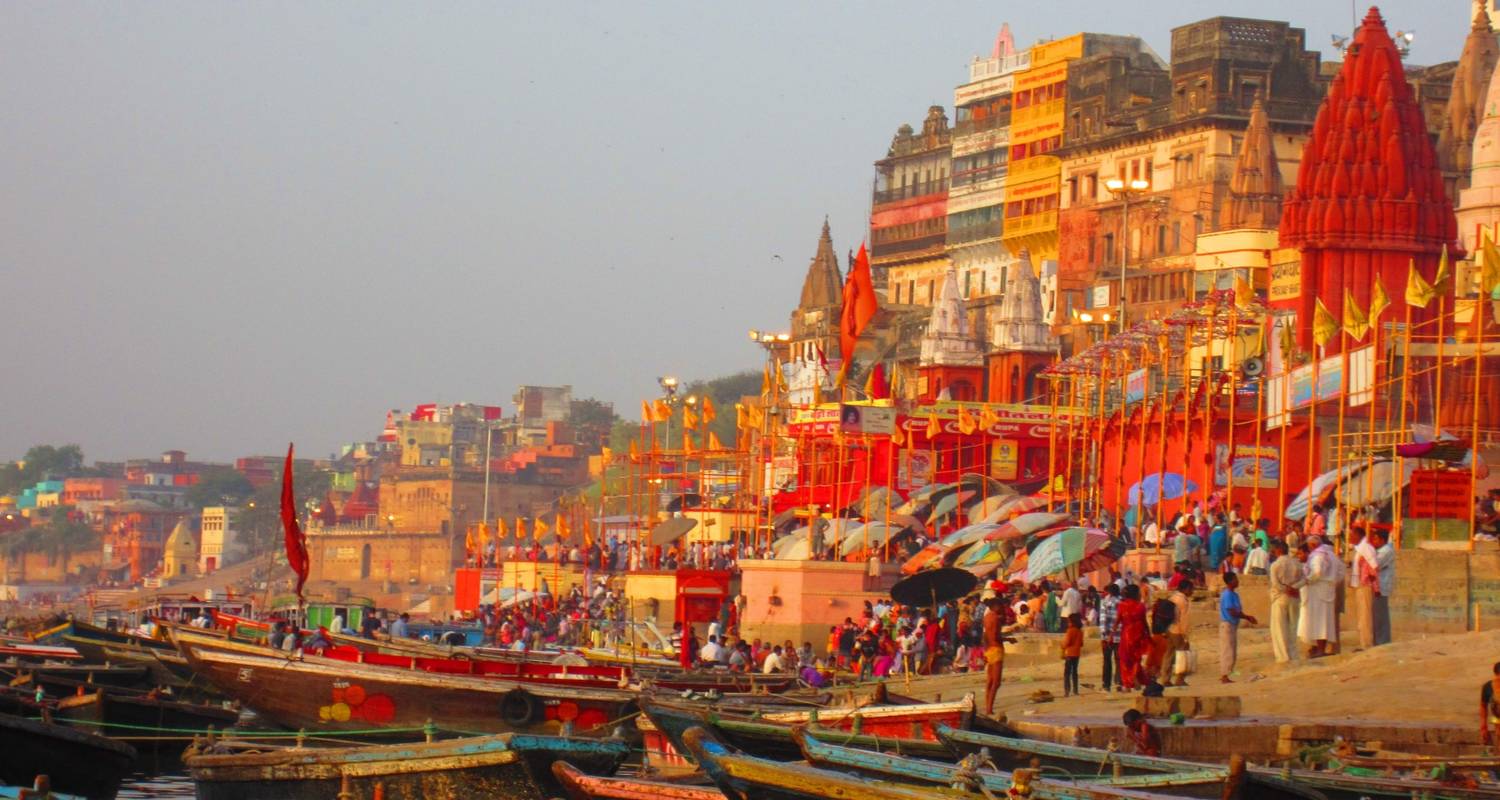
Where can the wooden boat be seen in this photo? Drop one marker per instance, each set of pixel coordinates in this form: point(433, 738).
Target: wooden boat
point(907, 729)
point(76, 761)
point(1203, 781)
point(323, 694)
point(1336, 786)
point(87, 639)
point(158, 727)
point(40, 789)
point(509, 765)
point(580, 785)
point(59, 679)
point(745, 777)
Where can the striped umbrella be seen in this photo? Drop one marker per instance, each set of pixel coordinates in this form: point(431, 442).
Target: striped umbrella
point(1073, 550)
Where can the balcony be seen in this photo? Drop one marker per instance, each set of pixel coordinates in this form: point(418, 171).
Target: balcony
point(974, 233)
point(915, 245)
point(911, 191)
point(966, 127)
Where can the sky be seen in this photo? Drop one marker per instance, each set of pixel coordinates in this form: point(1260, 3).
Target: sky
point(224, 226)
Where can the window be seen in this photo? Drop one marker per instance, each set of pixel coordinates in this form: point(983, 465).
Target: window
point(911, 292)
point(968, 280)
point(1177, 236)
point(1161, 239)
point(1109, 248)
point(1092, 262)
point(932, 291)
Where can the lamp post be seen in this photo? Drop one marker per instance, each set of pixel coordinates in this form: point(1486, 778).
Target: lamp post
point(760, 484)
point(1124, 189)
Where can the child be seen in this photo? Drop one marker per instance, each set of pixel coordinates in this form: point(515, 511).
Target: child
point(1142, 738)
point(1072, 649)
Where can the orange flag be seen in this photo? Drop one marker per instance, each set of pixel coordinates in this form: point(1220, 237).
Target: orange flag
point(687, 443)
point(934, 425)
point(689, 417)
point(661, 411)
point(500, 530)
point(709, 412)
point(860, 305)
point(521, 534)
point(713, 441)
point(562, 526)
point(540, 529)
point(647, 414)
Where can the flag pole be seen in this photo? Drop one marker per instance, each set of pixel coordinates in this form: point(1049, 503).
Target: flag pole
point(1479, 320)
point(1165, 411)
point(1120, 446)
point(1187, 413)
point(1052, 444)
point(1437, 397)
point(1400, 514)
point(1286, 424)
point(1231, 360)
point(1068, 465)
point(1097, 469)
point(1339, 446)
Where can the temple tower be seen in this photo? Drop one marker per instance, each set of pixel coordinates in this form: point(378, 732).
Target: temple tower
point(951, 360)
point(1023, 342)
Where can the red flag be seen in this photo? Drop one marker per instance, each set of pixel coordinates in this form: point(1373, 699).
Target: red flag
point(881, 388)
point(859, 306)
point(296, 542)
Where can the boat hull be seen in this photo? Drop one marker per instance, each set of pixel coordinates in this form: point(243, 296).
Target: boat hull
point(579, 785)
point(158, 729)
point(518, 767)
point(77, 762)
point(773, 739)
point(323, 695)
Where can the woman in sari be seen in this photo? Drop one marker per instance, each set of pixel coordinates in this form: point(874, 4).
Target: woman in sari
point(1135, 636)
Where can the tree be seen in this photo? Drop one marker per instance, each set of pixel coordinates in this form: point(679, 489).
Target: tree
point(41, 462)
point(258, 521)
point(219, 486)
point(592, 420)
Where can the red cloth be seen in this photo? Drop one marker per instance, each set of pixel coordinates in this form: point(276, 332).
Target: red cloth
point(296, 543)
point(1135, 640)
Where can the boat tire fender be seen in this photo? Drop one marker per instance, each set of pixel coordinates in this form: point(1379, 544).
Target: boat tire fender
point(520, 708)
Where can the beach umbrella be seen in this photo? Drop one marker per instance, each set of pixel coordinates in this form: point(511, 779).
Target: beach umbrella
point(1160, 486)
point(1376, 484)
point(670, 530)
point(983, 485)
point(933, 586)
point(937, 552)
point(984, 557)
point(873, 535)
point(987, 507)
point(780, 545)
point(1319, 488)
point(1026, 524)
point(1072, 549)
point(948, 504)
point(801, 549)
point(1016, 505)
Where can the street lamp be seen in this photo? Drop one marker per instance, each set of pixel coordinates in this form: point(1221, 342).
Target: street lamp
point(1124, 189)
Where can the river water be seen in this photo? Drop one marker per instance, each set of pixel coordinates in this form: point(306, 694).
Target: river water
point(152, 786)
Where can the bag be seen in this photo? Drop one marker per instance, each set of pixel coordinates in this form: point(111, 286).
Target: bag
point(1185, 662)
point(1163, 614)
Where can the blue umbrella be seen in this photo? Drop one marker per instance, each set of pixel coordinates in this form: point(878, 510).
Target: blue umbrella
point(1160, 486)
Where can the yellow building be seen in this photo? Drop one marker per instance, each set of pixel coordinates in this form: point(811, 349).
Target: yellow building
point(180, 555)
point(1038, 116)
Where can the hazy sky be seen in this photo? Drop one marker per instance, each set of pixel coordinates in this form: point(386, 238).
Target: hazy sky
point(224, 226)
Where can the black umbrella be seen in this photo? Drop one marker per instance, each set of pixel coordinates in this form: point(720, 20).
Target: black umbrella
point(933, 586)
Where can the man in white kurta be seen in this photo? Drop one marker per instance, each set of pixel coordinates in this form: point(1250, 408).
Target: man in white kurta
point(1318, 621)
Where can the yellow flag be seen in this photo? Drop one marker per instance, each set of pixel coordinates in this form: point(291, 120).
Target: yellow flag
point(483, 538)
point(1288, 341)
point(756, 416)
point(934, 427)
point(765, 381)
point(687, 443)
point(1379, 301)
point(647, 414)
point(562, 526)
point(635, 451)
point(741, 419)
point(663, 411)
point(469, 540)
point(713, 441)
point(818, 394)
point(540, 529)
point(869, 387)
point(780, 379)
point(1440, 281)
point(1244, 293)
point(898, 436)
point(709, 412)
point(1356, 324)
point(1419, 292)
point(988, 418)
point(500, 530)
point(1489, 272)
point(1324, 326)
point(521, 534)
point(689, 417)
point(966, 423)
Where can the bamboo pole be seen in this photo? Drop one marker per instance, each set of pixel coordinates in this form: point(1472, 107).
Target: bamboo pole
point(1068, 467)
point(1286, 424)
point(1400, 512)
point(1095, 475)
point(1437, 397)
point(1231, 346)
point(890, 489)
point(1120, 445)
point(1339, 447)
point(1052, 446)
point(1479, 320)
point(1187, 413)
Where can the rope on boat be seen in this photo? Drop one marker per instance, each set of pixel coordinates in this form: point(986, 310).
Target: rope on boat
point(240, 734)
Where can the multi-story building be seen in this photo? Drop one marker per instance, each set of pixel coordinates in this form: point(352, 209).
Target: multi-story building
point(908, 210)
point(215, 539)
point(976, 192)
point(1149, 159)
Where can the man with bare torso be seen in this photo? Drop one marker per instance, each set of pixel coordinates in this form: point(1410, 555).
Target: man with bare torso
point(994, 647)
